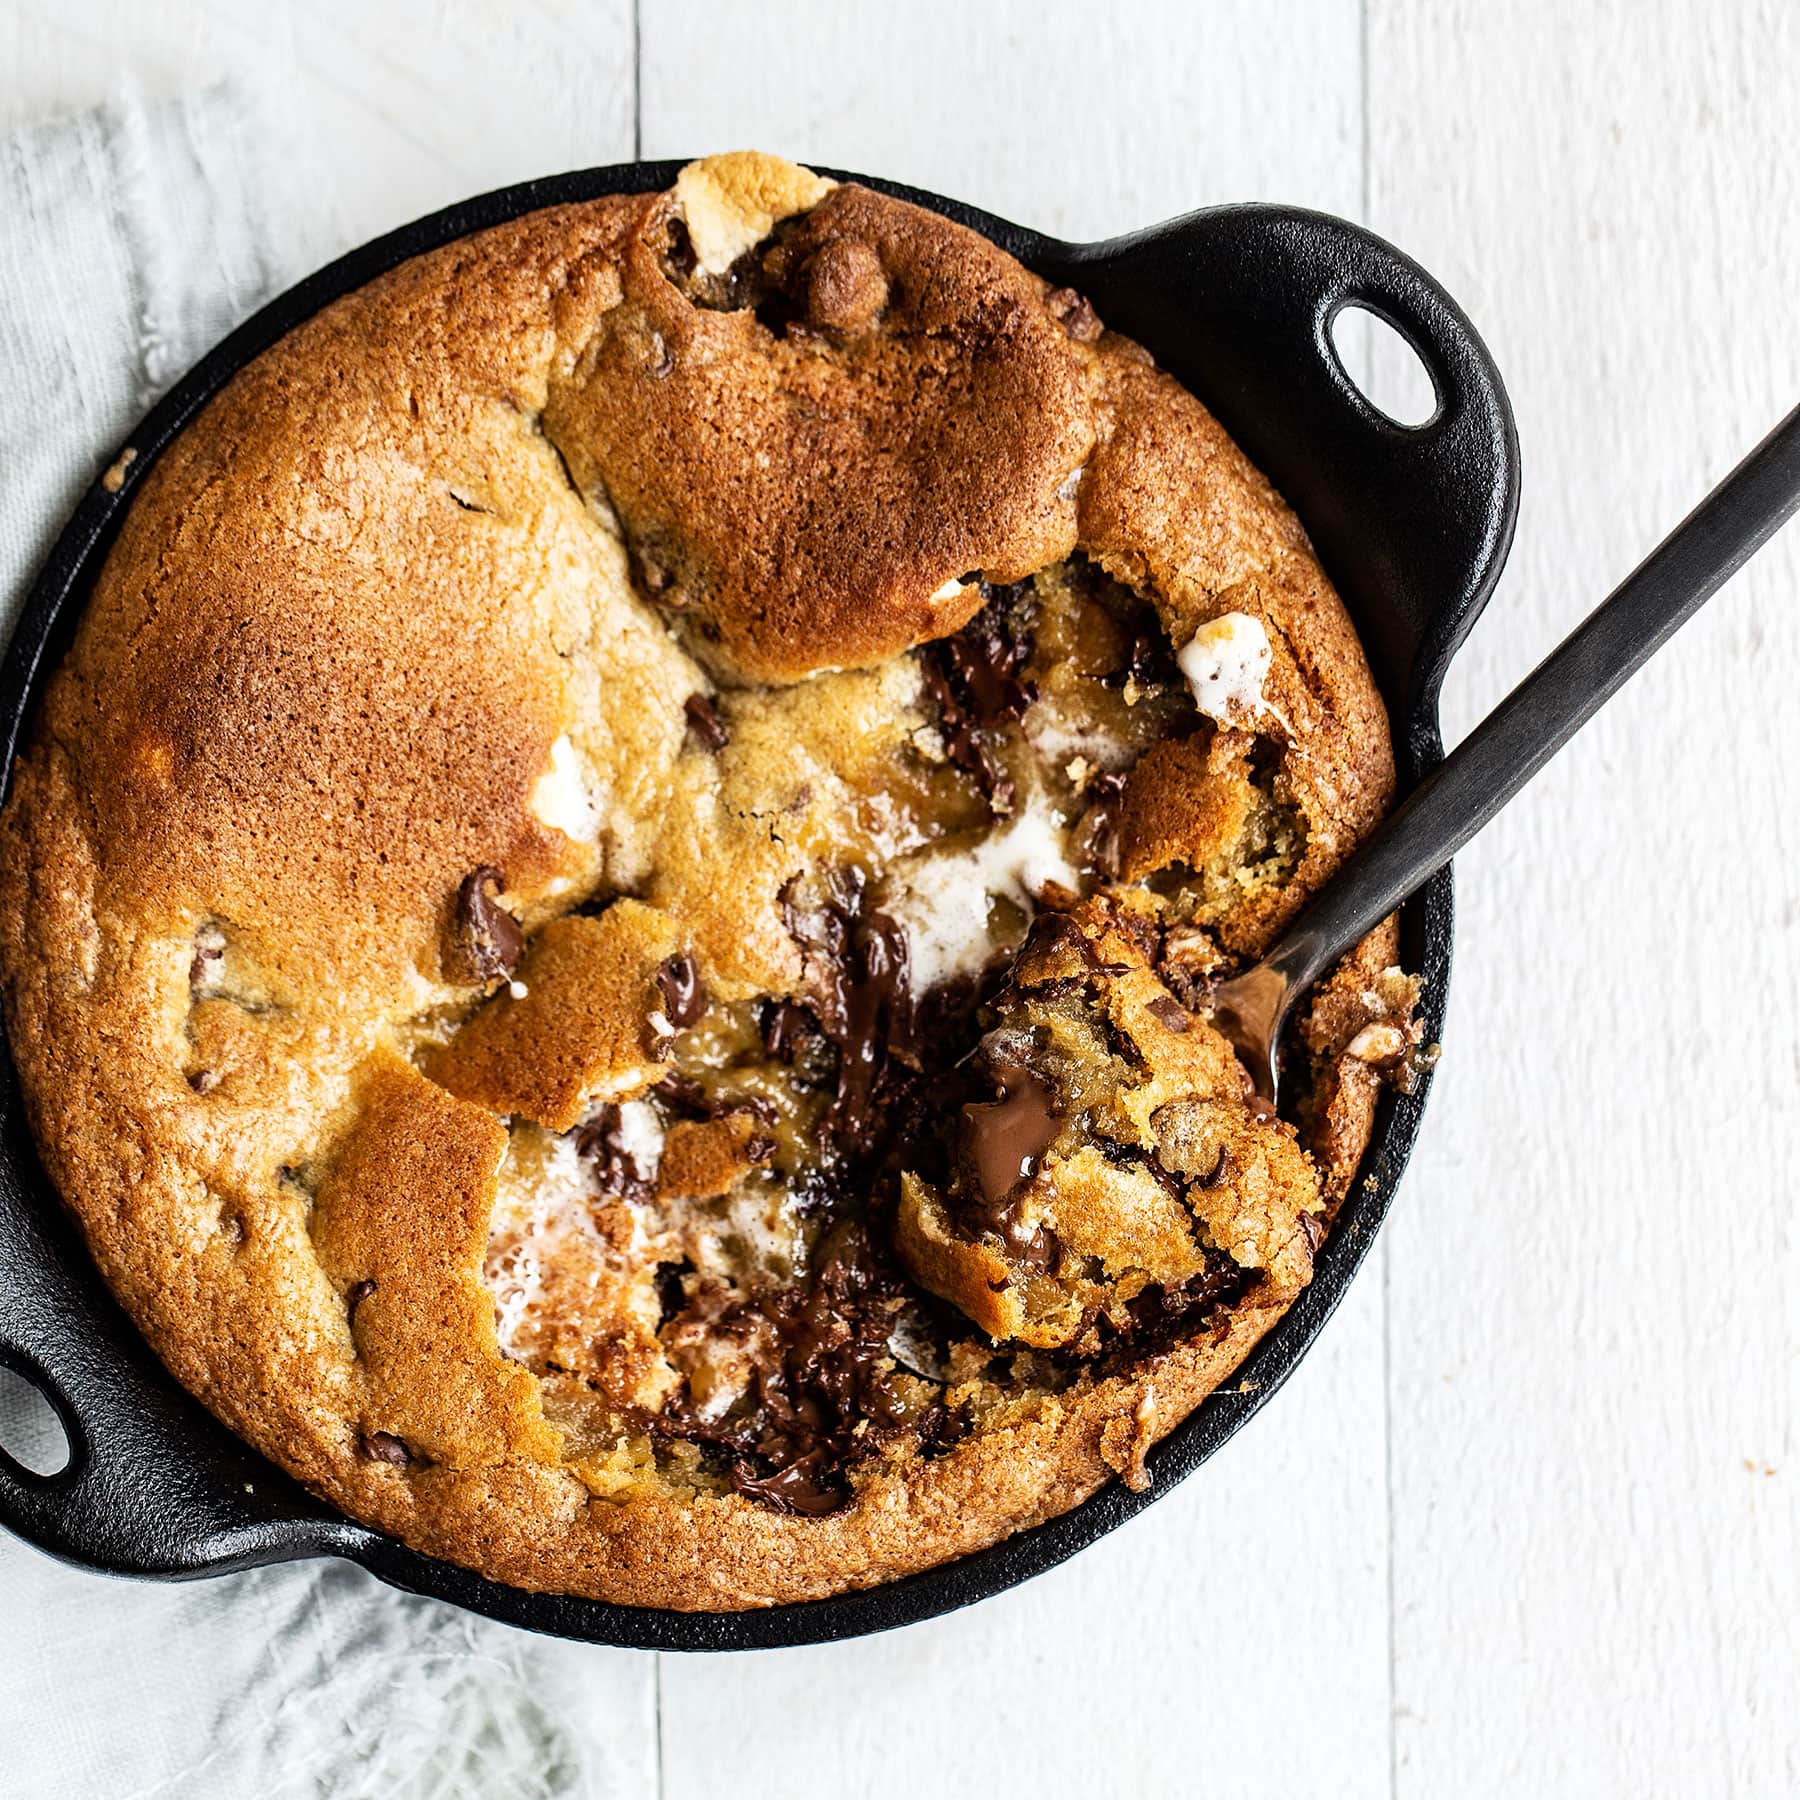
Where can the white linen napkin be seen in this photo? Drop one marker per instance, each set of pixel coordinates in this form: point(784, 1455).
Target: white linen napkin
point(131, 238)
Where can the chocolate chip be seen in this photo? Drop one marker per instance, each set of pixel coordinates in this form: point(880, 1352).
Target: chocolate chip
point(1148, 659)
point(783, 1024)
point(202, 1081)
point(805, 1487)
point(684, 998)
point(845, 286)
point(617, 1172)
point(974, 678)
point(488, 940)
point(209, 951)
point(671, 1289)
point(1189, 963)
point(1219, 1171)
point(1074, 313)
point(1314, 1227)
point(679, 257)
point(384, 1447)
point(356, 1296)
point(945, 1427)
point(1169, 1013)
point(1097, 836)
point(704, 724)
point(683, 1095)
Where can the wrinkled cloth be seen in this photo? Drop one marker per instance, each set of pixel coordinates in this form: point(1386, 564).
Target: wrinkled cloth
point(132, 238)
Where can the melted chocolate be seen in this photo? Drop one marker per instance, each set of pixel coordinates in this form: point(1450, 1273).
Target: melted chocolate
point(1050, 930)
point(1149, 660)
point(1262, 1108)
point(617, 1172)
point(671, 1289)
point(812, 1486)
point(822, 1394)
point(704, 724)
point(857, 964)
point(683, 1096)
point(783, 1023)
point(1219, 1171)
point(1097, 836)
point(1159, 1316)
point(974, 678)
point(1169, 1013)
point(1008, 1137)
point(686, 1098)
point(488, 941)
point(683, 996)
point(1002, 1144)
point(945, 1427)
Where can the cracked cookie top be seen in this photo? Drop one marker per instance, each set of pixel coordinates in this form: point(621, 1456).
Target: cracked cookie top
point(608, 922)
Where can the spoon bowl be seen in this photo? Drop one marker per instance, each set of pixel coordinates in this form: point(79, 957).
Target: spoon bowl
point(1514, 742)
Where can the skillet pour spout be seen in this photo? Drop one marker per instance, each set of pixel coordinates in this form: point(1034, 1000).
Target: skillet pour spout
point(1412, 524)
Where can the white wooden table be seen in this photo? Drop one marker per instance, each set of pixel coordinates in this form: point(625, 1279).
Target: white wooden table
point(1544, 1462)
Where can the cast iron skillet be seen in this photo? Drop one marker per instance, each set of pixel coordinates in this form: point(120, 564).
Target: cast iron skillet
point(1413, 526)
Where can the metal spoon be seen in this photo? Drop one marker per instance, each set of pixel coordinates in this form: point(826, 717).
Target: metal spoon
point(1514, 741)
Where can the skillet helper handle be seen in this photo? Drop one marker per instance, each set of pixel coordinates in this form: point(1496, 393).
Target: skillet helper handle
point(1552, 703)
point(153, 1485)
point(1411, 522)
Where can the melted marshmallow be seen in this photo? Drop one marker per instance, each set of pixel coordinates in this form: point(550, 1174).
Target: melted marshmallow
point(535, 1207)
point(1059, 742)
point(943, 902)
point(730, 203)
point(639, 1134)
point(561, 798)
point(1226, 662)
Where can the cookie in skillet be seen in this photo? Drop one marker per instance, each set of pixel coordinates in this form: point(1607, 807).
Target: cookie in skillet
point(607, 925)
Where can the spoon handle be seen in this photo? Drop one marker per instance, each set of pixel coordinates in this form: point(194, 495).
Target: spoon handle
point(1550, 705)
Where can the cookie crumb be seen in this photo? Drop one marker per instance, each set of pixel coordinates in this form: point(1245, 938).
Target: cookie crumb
point(1126, 1441)
point(114, 478)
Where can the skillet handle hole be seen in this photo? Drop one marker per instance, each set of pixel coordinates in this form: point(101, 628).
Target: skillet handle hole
point(31, 1432)
point(1382, 364)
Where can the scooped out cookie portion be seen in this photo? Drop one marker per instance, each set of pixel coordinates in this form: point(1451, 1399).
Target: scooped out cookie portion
point(1119, 1160)
point(608, 923)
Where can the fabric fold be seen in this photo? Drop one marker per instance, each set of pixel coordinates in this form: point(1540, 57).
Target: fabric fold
point(132, 238)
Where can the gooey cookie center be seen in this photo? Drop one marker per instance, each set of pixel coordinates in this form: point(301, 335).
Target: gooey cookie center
point(774, 1236)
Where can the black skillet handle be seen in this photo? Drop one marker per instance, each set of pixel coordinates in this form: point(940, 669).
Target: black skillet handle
point(153, 1485)
point(1412, 523)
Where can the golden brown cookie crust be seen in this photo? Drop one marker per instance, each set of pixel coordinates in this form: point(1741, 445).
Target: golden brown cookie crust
point(525, 492)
